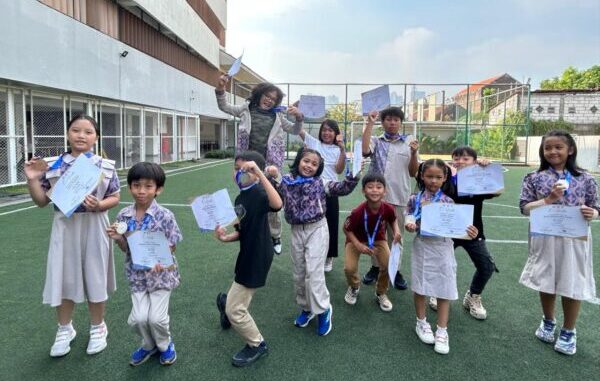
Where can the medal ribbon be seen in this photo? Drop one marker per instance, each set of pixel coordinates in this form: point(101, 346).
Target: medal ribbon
point(417, 212)
point(567, 177)
point(371, 238)
point(132, 223)
point(58, 162)
point(298, 180)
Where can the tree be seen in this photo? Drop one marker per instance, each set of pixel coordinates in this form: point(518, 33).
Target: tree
point(572, 78)
point(338, 111)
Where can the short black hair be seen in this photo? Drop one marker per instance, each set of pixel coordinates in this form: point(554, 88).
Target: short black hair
point(373, 177)
point(251, 156)
point(465, 151)
point(301, 153)
point(147, 170)
point(392, 111)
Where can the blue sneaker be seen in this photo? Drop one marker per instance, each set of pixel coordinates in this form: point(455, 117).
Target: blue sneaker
point(567, 342)
point(303, 319)
point(545, 331)
point(249, 355)
point(169, 356)
point(325, 324)
point(141, 355)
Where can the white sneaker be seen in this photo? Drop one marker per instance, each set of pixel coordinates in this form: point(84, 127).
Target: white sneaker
point(62, 342)
point(472, 302)
point(328, 264)
point(384, 302)
point(351, 295)
point(441, 343)
point(432, 303)
point(277, 245)
point(97, 341)
point(424, 332)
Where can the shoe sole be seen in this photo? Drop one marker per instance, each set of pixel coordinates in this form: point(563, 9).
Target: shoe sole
point(68, 348)
point(247, 363)
point(169, 362)
point(441, 352)
point(467, 307)
point(98, 350)
point(349, 303)
point(564, 352)
point(383, 308)
point(144, 360)
point(224, 320)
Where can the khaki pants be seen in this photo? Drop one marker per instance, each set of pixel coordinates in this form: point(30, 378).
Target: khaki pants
point(238, 301)
point(149, 317)
point(275, 224)
point(352, 255)
point(390, 232)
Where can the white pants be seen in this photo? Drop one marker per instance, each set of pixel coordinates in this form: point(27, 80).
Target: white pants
point(149, 317)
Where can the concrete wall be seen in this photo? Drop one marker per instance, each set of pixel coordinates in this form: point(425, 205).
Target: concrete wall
point(588, 151)
point(572, 107)
point(219, 7)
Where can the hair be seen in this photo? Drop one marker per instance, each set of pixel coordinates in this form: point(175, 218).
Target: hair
point(571, 164)
point(251, 156)
point(146, 170)
point(331, 124)
point(261, 89)
point(84, 117)
point(392, 111)
point(301, 153)
point(373, 177)
point(447, 187)
point(464, 151)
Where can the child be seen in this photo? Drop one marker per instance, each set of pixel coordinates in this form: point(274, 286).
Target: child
point(365, 233)
point(480, 256)
point(331, 147)
point(433, 266)
point(560, 265)
point(257, 198)
point(80, 260)
point(150, 288)
point(304, 192)
point(262, 128)
point(395, 157)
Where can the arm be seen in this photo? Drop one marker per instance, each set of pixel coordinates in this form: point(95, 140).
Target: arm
point(274, 199)
point(396, 230)
point(222, 236)
point(367, 133)
point(92, 203)
point(296, 127)
point(528, 199)
point(359, 245)
point(226, 107)
point(341, 188)
point(119, 239)
point(341, 163)
point(413, 164)
point(34, 172)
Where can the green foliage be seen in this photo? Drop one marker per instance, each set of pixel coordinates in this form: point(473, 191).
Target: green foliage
point(572, 78)
point(495, 142)
point(540, 127)
point(338, 111)
point(429, 144)
point(220, 153)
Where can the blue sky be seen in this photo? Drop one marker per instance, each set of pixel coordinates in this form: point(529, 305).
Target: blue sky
point(386, 41)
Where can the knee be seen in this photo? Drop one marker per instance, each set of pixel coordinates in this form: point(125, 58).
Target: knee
point(234, 312)
point(158, 320)
point(138, 319)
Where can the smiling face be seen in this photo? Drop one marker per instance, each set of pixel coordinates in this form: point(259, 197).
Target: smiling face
point(144, 191)
point(327, 135)
point(268, 100)
point(433, 177)
point(374, 191)
point(461, 161)
point(557, 151)
point(81, 136)
point(309, 164)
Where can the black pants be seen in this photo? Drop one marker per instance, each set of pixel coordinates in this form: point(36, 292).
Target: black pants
point(483, 261)
point(333, 223)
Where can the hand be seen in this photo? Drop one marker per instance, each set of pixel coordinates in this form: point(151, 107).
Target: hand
point(223, 80)
point(158, 268)
point(272, 171)
point(91, 203)
point(112, 233)
point(251, 167)
point(372, 117)
point(35, 168)
point(295, 112)
point(397, 237)
point(339, 141)
point(484, 162)
point(220, 233)
point(411, 227)
point(414, 146)
point(558, 190)
point(365, 249)
point(472, 231)
point(588, 213)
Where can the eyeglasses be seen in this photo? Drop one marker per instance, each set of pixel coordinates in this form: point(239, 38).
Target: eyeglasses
point(274, 100)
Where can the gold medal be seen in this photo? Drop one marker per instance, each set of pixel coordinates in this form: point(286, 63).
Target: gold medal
point(121, 227)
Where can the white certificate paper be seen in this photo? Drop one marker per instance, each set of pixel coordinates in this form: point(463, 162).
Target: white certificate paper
point(558, 220)
point(149, 248)
point(477, 179)
point(442, 219)
point(213, 209)
point(376, 99)
point(394, 261)
point(77, 182)
point(357, 157)
point(235, 66)
point(312, 106)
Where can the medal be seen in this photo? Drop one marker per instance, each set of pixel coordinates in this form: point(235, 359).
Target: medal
point(121, 227)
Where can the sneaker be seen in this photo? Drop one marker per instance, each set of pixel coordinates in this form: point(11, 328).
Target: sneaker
point(351, 295)
point(441, 345)
point(328, 264)
point(62, 342)
point(545, 331)
point(371, 276)
point(141, 355)
point(303, 319)
point(432, 303)
point(400, 283)
point(221, 303)
point(277, 245)
point(325, 324)
point(424, 332)
point(97, 341)
point(249, 354)
point(169, 356)
point(567, 342)
point(472, 302)
point(384, 302)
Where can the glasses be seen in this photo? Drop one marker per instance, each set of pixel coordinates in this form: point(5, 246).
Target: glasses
point(272, 99)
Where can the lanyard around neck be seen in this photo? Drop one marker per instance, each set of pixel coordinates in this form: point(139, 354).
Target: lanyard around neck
point(371, 238)
point(418, 208)
point(131, 224)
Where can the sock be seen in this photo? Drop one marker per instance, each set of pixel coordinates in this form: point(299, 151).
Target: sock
point(92, 326)
point(66, 327)
point(442, 331)
point(422, 321)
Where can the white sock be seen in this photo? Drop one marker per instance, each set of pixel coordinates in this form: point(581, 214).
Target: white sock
point(66, 327)
point(442, 331)
point(422, 321)
point(97, 326)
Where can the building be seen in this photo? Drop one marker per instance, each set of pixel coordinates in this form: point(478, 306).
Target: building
point(145, 69)
point(483, 95)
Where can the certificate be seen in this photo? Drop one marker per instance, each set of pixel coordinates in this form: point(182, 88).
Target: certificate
point(357, 157)
point(442, 219)
point(213, 209)
point(376, 99)
point(394, 261)
point(235, 66)
point(312, 106)
point(75, 184)
point(558, 220)
point(477, 179)
point(149, 248)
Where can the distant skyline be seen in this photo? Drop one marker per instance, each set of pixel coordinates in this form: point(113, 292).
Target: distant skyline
point(387, 41)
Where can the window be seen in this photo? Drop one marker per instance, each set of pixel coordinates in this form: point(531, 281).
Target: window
point(593, 109)
point(571, 110)
point(539, 109)
point(550, 110)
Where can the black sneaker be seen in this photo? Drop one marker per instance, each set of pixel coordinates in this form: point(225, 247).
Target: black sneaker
point(221, 302)
point(277, 245)
point(400, 283)
point(371, 276)
point(249, 354)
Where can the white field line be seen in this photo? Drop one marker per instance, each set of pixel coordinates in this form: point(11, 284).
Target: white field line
point(504, 241)
point(506, 206)
point(594, 301)
point(18, 210)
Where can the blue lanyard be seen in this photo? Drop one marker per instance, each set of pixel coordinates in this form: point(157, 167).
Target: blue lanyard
point(417, 212)
point(567, 178)
point(394, 137)
point(131, 224)
point(298, 180)
point(238, 180)
point(371, 238)
point(59, 162)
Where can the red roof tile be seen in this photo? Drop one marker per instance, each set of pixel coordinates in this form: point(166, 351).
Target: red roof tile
point(476, 86)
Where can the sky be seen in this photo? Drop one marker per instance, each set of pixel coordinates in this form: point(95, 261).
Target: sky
point(417, 41)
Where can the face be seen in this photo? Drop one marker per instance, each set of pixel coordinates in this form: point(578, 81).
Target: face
point(82, 136)
point(144, 191)
point(267, 100)
point(247, 179)
point(557, 151)
point(461, 161)
point(374, 191)
point(308, 164)
point(433, 177)
point(391, 124)
point(327, 135)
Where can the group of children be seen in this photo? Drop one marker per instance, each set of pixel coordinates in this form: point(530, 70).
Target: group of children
point(80, 262)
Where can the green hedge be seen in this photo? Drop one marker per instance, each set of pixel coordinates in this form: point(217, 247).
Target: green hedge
point(220, 153)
